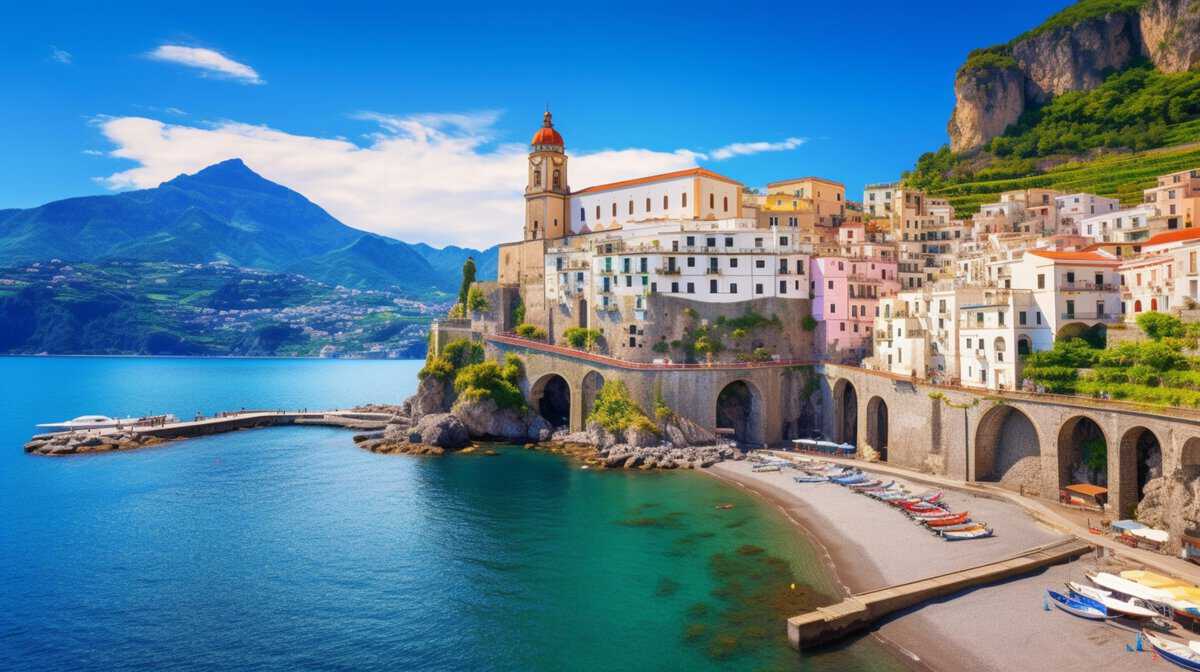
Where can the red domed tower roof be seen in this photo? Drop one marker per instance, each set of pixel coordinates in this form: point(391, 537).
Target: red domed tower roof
point(546, 135)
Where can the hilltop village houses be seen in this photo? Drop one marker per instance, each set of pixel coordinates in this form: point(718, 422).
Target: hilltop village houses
point(895, 283)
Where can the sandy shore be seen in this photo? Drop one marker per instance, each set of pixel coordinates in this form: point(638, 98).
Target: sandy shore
point(1001, 627)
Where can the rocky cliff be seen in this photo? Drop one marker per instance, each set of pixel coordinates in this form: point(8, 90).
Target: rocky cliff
point(996, 85)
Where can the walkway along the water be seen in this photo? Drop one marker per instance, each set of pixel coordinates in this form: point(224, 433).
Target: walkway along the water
point(860, 611)
point(137, 436)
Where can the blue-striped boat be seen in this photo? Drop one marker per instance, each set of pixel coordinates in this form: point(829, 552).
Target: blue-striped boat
point(1077, 607)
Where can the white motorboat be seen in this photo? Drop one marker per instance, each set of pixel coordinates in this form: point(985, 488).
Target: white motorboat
point(88, 422)
point(1105, 597)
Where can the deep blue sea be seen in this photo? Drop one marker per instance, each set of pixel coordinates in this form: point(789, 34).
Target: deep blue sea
point(290, 548)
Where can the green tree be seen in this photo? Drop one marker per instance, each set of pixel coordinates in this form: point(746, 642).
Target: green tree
point(1158, 326)
point(468, 279)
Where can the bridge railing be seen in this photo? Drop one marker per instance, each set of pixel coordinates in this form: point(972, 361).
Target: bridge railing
point(513, 339)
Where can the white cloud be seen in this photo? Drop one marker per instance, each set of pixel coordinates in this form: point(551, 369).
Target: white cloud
point(435, 178)
point(60, 55)
point(93, 152)
point(747, 148)
point(211, 62)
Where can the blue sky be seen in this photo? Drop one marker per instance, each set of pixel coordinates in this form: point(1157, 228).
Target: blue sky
point(409, 120)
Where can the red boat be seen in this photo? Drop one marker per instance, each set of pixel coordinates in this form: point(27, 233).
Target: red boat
point(931, 514)
point(920, 506)
point(956, 519)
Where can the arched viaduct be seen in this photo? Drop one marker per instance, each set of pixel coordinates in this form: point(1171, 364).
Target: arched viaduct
point(1036, 443)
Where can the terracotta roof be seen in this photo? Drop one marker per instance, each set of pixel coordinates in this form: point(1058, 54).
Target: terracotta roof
point(1088, 256)
point(802, 179)
point(546, 135)
point(690, 172)
point(1176, 236)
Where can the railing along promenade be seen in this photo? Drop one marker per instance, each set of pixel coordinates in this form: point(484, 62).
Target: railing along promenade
point(1019, 395)
point(513, 339)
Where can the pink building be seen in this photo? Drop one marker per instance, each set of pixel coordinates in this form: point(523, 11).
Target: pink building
point(845, 301)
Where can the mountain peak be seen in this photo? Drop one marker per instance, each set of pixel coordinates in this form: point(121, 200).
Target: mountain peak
point(230, 173)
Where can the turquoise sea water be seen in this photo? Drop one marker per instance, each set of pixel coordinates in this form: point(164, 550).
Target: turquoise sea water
point(290, 548)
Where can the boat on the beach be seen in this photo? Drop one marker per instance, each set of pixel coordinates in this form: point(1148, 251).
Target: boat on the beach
point(978, 532)
point(1176, 653)
point(1077, 607)
point(874, 483)
point(946, 521)
point(810, 478)
point(765, 467)
point(1152, 598)
point(1104, 597)
point(849, 480)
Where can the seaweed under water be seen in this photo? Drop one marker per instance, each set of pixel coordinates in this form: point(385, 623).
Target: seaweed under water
point(673, 520)
point(755, 593)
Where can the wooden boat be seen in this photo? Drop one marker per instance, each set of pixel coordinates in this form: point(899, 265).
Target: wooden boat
point(917, 507)
point(875, 483)
point(1176, 653)
point(849, 480)
point(809, 478)
point(956, 519)
point(1151, 598)
point(931, 514)
point(1104, 597)
point(963, 535)
point(765, 467)
point(1076, 607)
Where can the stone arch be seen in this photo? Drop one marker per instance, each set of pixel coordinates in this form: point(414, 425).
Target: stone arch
point(550, 396)
point(877, 426)
point(845, 412)
point(590, 387)
point(1137, 306)
point(1082, 445)
point(1007, 450)
point(1096, 335)
point(739, 411)
point(1140, 459)
point(1189, 459)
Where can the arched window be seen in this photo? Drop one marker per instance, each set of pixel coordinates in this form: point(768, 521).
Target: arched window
point(1137, 306)
point(726, 204)
point(712, 202)
point(557, 178)
point(1154, 304)
point(597, 213)
point(998, 345)
point(537, 177)
point(631, 207)
point(1023, 346)
point(647, 205)
point(666, 202)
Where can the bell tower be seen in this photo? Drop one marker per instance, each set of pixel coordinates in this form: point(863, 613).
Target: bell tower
point(546, 189)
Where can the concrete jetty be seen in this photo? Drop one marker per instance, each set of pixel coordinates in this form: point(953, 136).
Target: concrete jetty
point(860, 611)
point(141, 435)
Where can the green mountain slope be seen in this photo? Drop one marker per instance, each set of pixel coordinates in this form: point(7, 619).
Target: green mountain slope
point(225, 212)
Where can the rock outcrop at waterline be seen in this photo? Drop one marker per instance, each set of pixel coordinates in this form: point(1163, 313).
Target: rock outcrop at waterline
point(994, 88)
point(74, 443)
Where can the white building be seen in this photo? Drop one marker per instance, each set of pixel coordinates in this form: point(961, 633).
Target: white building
point(692, 194)
point(1131, 225)
point(1072, 208)
point(1166, 277)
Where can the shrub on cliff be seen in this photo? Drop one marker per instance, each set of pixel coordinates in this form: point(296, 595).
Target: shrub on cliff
point(1158, 326)
point(490, 380)
point(615, 410)
point(456, 355)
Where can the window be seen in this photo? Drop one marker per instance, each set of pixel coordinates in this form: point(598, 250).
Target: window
point(832, 306)
point(557, 178)
point(726, 200)
point(691, 288)
point(614, 209)
point(783, 266)
point(728, 241)
point(647, 205)
point(582, 215)
point(841, 326)
point(783, 240)
point(629, 281)
point(712, 286)
point(1021, 318)
point(1041, 281)
point(712, 202)
point(758, 288)
point(631, 207)
point(597, 213)
point(691, 262)
point(733, 262)
point(674, 287)
point(830, 284)
point(537, 177)
point(642, 265)
point(1038, 315)
point(1070, 277)
point(1000, 316)
point(758, 242)
point(733, 288)
point(683, 199)
point(625, 265)
point(710, 242)
point(712, 263)
point(691, 240)
point(783, 287)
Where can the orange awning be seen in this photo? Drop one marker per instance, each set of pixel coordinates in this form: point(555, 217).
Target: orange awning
point(1087, 489)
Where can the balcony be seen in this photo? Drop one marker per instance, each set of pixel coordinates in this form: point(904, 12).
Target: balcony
point(668, 271)
point(1080, 315)
point(1086, 287)
point(712, 271)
